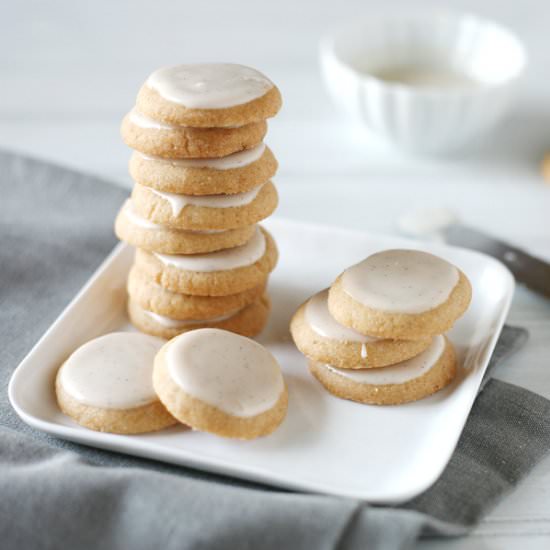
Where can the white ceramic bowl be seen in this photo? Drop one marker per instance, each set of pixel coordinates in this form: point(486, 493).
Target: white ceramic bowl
point(427, 83)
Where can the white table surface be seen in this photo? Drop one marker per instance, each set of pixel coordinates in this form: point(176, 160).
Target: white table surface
point(70, 70)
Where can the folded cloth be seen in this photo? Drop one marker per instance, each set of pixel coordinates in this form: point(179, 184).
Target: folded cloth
point(56, 228)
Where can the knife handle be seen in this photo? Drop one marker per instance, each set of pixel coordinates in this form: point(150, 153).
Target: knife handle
point(527, 269)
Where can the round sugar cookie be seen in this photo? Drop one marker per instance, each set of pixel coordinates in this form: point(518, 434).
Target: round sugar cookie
point(248, 321)
point(205, 212)
point(106, 385)
point(220, 273)
point(142, 233)
point(221, 383)
point(407, 381)
point(235, 173)
point(152, 297)
point(401, 294)
point(174, 142)
point(322, 339)
point(209, 95)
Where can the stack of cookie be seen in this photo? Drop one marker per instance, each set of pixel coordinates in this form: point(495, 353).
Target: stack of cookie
point(377, 335)
point(202, 183)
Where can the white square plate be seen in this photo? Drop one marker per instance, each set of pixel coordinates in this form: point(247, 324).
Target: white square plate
point(326, 444)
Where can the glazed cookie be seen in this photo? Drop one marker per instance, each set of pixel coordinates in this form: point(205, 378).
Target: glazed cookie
point(106, 385)
point(321, 338)
point(209, 95)
point(200, 212)
point(221, 383)
point(158, 139)
point(407, 381)
point(248, 321)
point(219, 273)
point(236, 173)
point(152, 297)
point(142, 233)
point(402, 294)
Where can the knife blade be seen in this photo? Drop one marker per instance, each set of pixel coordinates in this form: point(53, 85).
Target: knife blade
point(527, 269)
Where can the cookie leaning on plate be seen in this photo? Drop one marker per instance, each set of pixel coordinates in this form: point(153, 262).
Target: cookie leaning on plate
point(403, 382)
point(235, 173)
point(322, 339)
point(205, 212)
point(142, 233)
point(105, 385)
point(218, 273)
point(222, 383)
point(404, 294)
point(209, 95)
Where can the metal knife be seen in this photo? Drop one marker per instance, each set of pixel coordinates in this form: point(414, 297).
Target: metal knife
point(527, 269)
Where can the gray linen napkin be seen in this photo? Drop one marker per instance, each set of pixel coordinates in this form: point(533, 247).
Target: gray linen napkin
point(55, 229)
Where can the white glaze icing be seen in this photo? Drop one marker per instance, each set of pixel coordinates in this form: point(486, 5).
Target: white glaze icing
point(136, 219)
point(398, 373)
point(144, 223)
point(178, 201)
point(205, 231)
point(221, 260)
point(168, 322)
point(113, 371)
point(323, 323)
point(401, 281)
point(230, 372)
point(209, 85)
point(139, 119)
point(229, 162)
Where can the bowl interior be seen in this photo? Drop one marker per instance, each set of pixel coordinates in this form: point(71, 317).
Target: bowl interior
point(431, 50)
